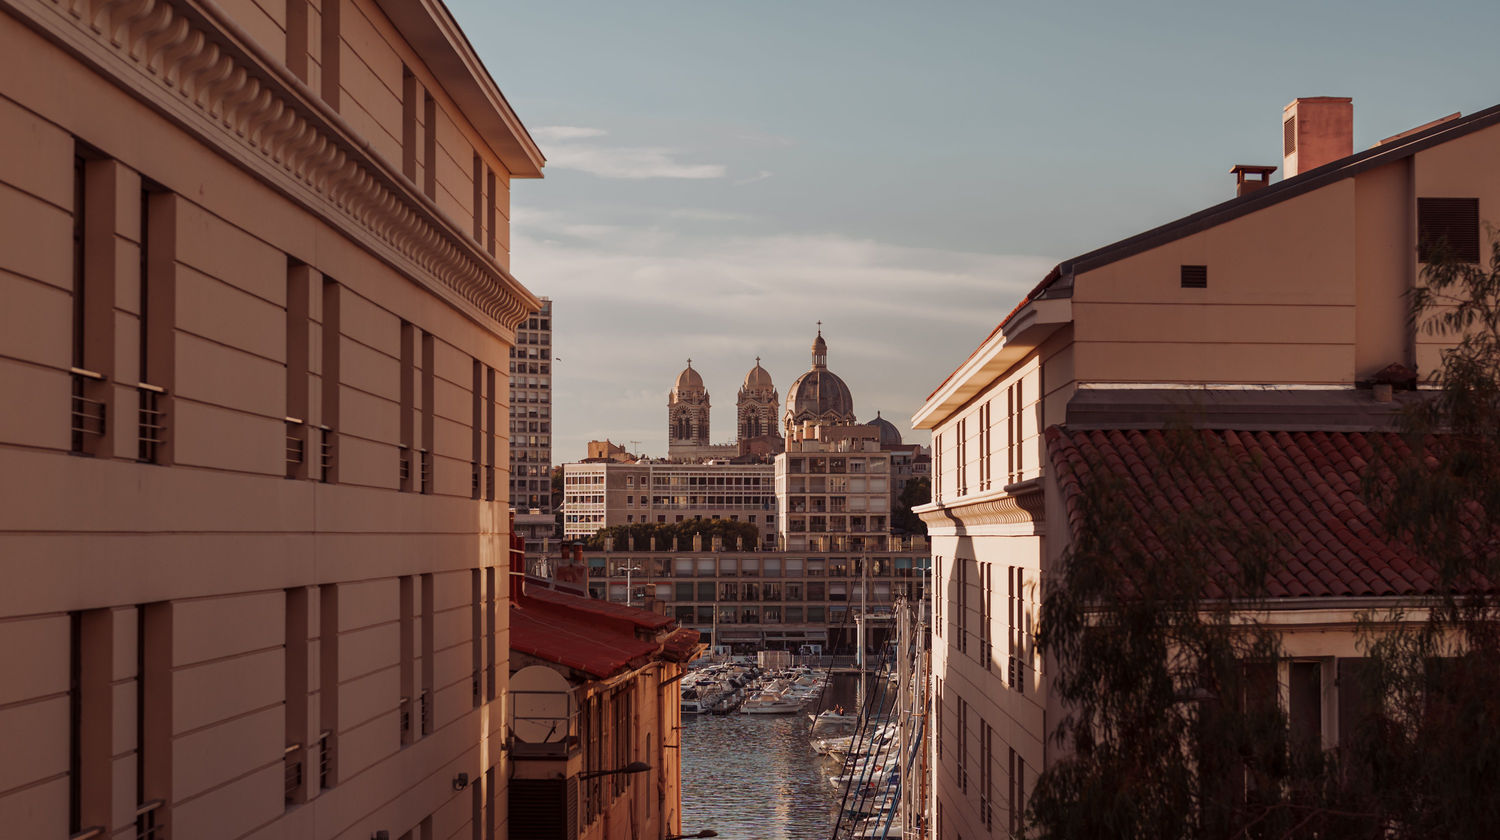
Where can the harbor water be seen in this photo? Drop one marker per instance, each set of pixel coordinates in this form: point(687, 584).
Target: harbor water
point(754, 777)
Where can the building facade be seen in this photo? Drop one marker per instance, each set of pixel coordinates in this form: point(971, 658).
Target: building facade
point(595, 713)
point(765, 600)
point(600, 495)
point(1261, 322)
point(257, 312)
point(531, 413)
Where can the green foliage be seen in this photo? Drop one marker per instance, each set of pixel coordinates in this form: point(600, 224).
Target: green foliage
point(1163, 712)
point(671, 534)
point(917, 492)
point(1436, 745)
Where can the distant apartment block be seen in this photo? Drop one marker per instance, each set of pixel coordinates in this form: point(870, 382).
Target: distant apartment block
point(599, 495)
point(256, 318)
point(531, 413)
point(764, 600)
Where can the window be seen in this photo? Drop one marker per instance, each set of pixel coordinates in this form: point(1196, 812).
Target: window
point(986, 774)
point(963, 746)
point(1017, 804)
point(984, 446)
point(961, 458)
point(937, 601)
point(960, 614)
point(1014, 429)
point(1448, 226)
point(986, 617)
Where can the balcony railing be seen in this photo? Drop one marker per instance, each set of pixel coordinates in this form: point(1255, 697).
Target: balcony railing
point(296, 447)
point(325, 759)
point(292, 761)
point(151, 430)
point(404, 468)
point(148, 822)
point(426, 473)
point(326, 453)
point(88, 415)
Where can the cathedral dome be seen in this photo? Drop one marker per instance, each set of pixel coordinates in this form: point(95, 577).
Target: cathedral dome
point(889, 434)
point(758, 379)
point(819, 394)
point(689, 380)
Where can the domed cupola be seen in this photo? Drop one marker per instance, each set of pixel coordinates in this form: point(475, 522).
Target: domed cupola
point(758, 403)
point(687, 410)
point(688, 382)
point(818, 395)
point(889, 434)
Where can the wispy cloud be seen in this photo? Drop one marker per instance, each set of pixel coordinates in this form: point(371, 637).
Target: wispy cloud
point(579, 148)
point(633, 301)
point(563, 133)
point(759, 176)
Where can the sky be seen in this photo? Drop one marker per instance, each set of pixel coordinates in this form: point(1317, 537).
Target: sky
point(723, 174)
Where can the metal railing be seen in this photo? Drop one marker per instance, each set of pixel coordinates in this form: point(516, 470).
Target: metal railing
point(325, 759)
point(405, 708)
point(151, 431)
point(405, 468)
point(296, 446)
point(326, 453)
point(424, 713)
point(148, 822)
point(292, 758)
point(474, 479)
point(87, 416)
point(426, 473)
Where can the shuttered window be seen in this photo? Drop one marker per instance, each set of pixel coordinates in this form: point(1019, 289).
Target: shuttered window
point(1195, 277)
point(1289, 135)
point(1448, 225)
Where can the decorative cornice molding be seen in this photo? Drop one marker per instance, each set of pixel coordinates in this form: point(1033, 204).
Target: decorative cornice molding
point(189, 61)
point(1023, 508)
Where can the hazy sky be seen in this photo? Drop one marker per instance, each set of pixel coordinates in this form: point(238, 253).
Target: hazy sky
point(722, 175)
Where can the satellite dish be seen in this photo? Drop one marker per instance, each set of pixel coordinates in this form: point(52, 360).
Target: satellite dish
point(541, 708)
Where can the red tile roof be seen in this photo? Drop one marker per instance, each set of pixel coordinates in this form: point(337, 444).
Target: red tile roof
point(596, 637)
point(1306, 483)
point(644, 619)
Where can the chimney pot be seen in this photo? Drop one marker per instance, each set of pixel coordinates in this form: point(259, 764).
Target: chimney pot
point(1248, 177)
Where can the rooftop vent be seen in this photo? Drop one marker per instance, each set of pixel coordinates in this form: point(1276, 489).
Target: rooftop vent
point(1248, 178)
point(1316, 130)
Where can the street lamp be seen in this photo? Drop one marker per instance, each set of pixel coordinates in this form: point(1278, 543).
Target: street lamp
point(628, 571)
point(632, 767)
point(707, 832)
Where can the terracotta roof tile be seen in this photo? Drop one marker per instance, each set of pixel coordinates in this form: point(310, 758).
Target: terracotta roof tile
point(595, 637)
point(1307, 484)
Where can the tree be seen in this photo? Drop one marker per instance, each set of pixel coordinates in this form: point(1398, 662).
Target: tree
point(917, 491)
point(1436, 746)
point(735, 536)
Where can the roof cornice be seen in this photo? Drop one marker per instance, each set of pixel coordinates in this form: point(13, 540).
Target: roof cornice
point(433, 33)
point(190, 62)
point(1020, 334)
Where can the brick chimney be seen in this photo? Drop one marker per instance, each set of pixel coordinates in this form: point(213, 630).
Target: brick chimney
point(1316, 130)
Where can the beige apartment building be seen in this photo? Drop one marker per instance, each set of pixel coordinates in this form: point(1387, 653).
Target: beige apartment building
point(1275, 324)
point(254, 337)
point(602, 494)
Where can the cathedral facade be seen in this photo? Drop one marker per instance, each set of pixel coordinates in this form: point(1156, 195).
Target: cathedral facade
point(757, 410)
